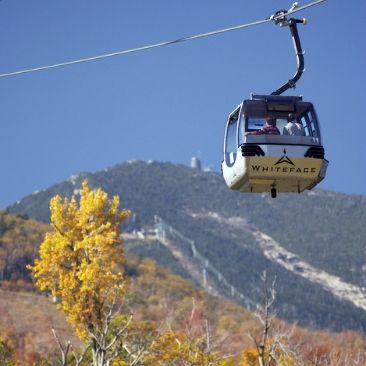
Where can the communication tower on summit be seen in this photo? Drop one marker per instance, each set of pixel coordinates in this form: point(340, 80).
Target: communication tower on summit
point(196, 163)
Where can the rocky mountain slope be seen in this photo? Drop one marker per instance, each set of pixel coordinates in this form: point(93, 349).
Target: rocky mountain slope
point(313, 243)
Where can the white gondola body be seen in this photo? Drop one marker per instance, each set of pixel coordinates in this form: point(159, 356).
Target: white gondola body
point(261, 163)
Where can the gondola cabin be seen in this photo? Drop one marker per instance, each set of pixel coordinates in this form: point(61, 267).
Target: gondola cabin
point(278, 162)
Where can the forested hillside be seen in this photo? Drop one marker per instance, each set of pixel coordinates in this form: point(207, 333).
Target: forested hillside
point(155, 296)
point(19, 241)
point(324, 228)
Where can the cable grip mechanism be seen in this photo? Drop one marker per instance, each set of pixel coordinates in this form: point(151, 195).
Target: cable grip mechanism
point(280, 18)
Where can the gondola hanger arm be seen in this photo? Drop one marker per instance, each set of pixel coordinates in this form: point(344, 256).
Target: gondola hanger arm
point(280, 18)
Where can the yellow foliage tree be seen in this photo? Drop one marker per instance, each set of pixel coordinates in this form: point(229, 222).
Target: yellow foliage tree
point(177, 349)
point(79, 264)
point(278, 357)
point(6, 353)
point(250, 358)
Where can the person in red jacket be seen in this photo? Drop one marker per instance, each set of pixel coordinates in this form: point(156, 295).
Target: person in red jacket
point(269, 129)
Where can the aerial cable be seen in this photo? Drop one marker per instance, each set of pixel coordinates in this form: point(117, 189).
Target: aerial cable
point(295, 8)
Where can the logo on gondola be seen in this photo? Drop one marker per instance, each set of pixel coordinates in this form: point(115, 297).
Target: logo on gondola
point(283, 166)
point(284, 159)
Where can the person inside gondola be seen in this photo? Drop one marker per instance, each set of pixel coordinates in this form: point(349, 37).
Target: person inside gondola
point(269, 128)
point(293, 127)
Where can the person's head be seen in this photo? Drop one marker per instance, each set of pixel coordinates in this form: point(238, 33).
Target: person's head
point(271, 121)
point(290, 117)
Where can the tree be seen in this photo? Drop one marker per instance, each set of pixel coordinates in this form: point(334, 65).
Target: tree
point(271, 347)
point(6, 353)
point(79, 265)
point(265, 318)
point(191, 346)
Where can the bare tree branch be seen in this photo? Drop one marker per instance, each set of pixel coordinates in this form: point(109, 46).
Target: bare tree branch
point(63, 350)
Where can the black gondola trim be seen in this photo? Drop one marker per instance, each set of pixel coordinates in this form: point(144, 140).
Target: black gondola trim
point(316, 152)
point(251, 150)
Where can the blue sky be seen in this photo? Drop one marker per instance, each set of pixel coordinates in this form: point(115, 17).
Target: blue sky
point(167, 104)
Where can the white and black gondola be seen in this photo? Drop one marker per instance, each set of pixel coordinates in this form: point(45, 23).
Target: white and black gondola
point(274, 162)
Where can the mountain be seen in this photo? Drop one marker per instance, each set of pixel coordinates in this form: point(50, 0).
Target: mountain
point(19, 241)
point(155, 295)
point(312, 243)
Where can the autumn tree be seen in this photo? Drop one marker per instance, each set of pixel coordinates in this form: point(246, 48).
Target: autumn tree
point(79, 265)
point(192, 345)
point(271, 345)
point(6, 353)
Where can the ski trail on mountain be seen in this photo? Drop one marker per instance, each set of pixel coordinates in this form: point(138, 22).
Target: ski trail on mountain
point(274, 252)
point(291, 262)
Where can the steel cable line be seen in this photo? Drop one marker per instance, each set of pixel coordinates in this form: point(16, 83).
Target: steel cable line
point(161, 44)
